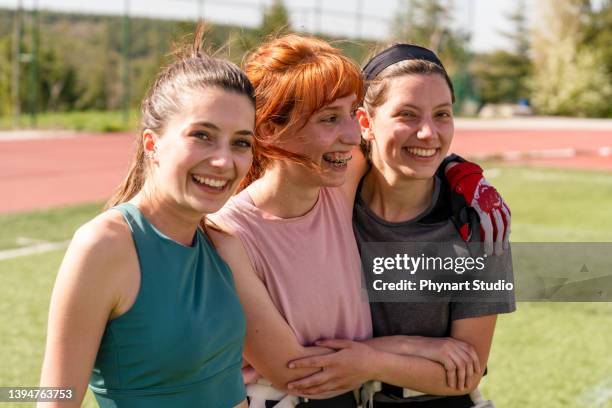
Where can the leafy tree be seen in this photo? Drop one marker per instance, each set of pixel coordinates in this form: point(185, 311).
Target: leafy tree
point(598, 33)
point(429, 23)
point(421, 22)
point(500, 76)
point(275, 20)
point(5, 75)
point(519, 36)
point(570, 77)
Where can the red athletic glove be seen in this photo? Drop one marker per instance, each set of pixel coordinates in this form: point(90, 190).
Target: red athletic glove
point(466, 179)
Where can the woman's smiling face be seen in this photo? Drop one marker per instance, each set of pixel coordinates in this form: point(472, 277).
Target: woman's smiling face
point(411, 132)
point(205, 150)
point(326, 139)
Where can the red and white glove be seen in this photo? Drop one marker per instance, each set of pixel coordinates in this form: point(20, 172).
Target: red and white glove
point(466, 179)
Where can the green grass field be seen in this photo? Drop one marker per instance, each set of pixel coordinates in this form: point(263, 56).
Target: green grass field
point(544, 355)
point(92, 121)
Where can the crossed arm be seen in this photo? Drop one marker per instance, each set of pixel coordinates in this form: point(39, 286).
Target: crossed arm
point(437, 366)
point(440, 366)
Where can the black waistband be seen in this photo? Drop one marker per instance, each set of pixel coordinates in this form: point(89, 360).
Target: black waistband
point(346, 400)
point(461, 401)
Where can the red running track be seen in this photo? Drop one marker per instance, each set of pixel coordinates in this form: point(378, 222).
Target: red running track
point(47, 173)
point(57, 172)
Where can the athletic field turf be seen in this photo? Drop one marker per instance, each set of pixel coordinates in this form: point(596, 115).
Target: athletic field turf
point(544, 355)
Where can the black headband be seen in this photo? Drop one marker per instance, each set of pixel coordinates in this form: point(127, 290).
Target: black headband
point(397, 53)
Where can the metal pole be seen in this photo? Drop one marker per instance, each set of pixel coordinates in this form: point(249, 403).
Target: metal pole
point(318, 11)
point(471, 22)
point(126, 63)
point(16, 66)
point(200, 10)
point(359, 23)
point(34, 66)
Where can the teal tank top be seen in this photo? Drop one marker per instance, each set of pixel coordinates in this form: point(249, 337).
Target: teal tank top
point(180, 344)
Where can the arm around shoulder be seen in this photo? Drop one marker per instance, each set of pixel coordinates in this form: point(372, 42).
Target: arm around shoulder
point(357, 168)
point(86, 294)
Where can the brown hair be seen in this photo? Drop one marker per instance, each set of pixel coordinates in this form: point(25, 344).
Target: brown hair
point(192, 70)
point(376, 92)
point(377, 88)
point(294, 76)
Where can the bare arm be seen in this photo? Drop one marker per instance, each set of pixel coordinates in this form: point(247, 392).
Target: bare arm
point(270, 343)
point(85, 295)
point(459, 358)
point(430, 377)
point(382, 360)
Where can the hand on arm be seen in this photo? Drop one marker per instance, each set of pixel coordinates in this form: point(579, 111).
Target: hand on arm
point(458, 358)
point(346, 369)
point(357, 363)
point(445, 366)
point(85, 294)
point(425, 375)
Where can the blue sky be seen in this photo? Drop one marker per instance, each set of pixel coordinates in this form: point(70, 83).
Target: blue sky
point(487, 17)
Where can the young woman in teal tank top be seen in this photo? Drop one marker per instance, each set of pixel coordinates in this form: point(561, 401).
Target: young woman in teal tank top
point(143, 306)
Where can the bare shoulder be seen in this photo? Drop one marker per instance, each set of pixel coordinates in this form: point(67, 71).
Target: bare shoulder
point(221, 233)
point(231, 249)
point(108, 230)
point(224, 238)
point(216, 222)
point(101, 249)
point(97, 280)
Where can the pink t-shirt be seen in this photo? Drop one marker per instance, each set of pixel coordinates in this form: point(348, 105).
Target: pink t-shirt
point(309, 264)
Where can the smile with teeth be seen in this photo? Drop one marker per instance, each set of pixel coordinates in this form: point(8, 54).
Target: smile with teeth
point(210, 182)
point(417, 151)
point(337, 159)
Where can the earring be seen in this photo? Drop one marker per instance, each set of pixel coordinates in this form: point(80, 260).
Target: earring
point(152, 154)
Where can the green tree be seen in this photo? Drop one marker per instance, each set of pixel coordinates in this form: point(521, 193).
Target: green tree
point(58, 89)
point(421, 22)
point(598, 33)
point(275, 20)
point(570, 77)
point(5, 75)
point(429, 23)
point(501, 76)
point(519, 36)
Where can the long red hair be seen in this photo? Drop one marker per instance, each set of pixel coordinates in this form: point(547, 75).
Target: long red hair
point(294, 76)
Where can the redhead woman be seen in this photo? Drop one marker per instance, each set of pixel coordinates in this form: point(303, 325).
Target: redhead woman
point(143, 306)
point(291, 245)
point(288, 234)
